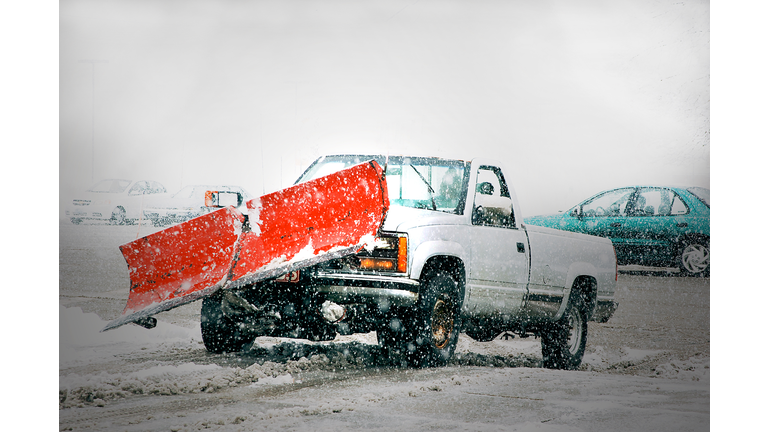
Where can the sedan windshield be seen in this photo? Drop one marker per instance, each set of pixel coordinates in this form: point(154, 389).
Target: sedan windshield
point(426, 183)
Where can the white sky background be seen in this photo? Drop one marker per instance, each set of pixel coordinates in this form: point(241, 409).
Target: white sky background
point(573, 97)
point(655, 89)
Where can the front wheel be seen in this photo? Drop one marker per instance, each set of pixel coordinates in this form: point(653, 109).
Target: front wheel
point(693, 259)
point(436, 321)
point(563, 342)
point(220, 333)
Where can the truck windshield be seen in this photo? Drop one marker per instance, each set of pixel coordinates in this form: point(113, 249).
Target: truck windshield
point(426, 183)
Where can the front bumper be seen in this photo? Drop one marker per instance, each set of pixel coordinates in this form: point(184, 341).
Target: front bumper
point(346, 288)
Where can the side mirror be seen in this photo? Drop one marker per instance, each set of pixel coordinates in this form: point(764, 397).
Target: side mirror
point(484, 188)
point(577, 212)
point(223, 199)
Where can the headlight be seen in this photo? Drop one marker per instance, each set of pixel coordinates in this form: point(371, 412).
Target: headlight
point(390, 254)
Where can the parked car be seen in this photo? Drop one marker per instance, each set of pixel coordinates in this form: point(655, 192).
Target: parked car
point(193, 201)
point(117, 201)
point(648, 225)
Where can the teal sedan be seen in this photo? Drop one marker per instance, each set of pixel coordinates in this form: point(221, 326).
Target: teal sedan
point(648, 225)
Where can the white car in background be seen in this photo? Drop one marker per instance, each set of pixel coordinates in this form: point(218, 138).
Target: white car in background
point(117, 201)
point(193, 201)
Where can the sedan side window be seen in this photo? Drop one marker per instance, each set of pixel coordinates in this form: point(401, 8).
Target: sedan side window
point(612, 203)
point(678, 206)
point(493, 204)
point(657, 202)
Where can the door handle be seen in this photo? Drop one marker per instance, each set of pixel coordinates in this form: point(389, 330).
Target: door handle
point(521, 247)
point(616, 224)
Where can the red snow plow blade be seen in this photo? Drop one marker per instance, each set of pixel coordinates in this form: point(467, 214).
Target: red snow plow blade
point(290, 229)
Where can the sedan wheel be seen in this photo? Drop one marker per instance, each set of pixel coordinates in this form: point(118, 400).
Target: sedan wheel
point(694, 258)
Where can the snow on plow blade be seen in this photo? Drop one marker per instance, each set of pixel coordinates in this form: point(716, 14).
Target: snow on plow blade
point(290, 229)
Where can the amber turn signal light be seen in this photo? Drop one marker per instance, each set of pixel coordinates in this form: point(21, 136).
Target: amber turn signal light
point(402, 254)
point(377, 264)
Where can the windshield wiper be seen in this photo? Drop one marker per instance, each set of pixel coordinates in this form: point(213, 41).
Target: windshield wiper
point(431, 191)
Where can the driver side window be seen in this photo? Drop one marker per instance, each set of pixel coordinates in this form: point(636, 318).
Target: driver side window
point(492, 204)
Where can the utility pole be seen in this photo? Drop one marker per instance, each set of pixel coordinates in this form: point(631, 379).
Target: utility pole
point(93, 110)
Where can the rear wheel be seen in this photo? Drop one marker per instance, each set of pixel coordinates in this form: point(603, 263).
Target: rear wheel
point(563, 342)
point(220, 333)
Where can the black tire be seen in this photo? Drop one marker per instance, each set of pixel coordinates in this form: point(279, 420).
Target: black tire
point(436, 322)
point(693, 257)
point(563, 342)
point(220, 333)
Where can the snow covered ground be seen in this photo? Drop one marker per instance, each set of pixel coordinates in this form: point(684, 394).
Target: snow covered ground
point(646, 369)
point(344, 385)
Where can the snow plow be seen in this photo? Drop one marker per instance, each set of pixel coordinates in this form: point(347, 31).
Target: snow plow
point(294, 228)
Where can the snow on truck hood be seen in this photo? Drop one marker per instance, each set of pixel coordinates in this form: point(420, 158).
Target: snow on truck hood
point(404, 218)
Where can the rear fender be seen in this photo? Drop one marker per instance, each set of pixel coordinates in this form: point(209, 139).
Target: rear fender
point(577, 270)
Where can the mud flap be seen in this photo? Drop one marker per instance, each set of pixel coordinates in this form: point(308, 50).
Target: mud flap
point(294, 228)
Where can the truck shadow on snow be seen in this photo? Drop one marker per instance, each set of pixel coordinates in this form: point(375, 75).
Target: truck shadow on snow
point(351, 355)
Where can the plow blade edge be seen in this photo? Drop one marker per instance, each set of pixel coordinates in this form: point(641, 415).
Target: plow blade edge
point(290, 229)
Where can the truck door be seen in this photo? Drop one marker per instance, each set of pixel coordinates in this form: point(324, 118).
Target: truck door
point(498, 274)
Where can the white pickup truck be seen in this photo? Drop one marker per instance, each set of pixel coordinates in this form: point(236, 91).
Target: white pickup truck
point(452, 256)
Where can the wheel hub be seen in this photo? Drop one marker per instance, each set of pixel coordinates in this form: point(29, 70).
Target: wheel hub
point(695, 258)
point(574, 333)
point(442, 323)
